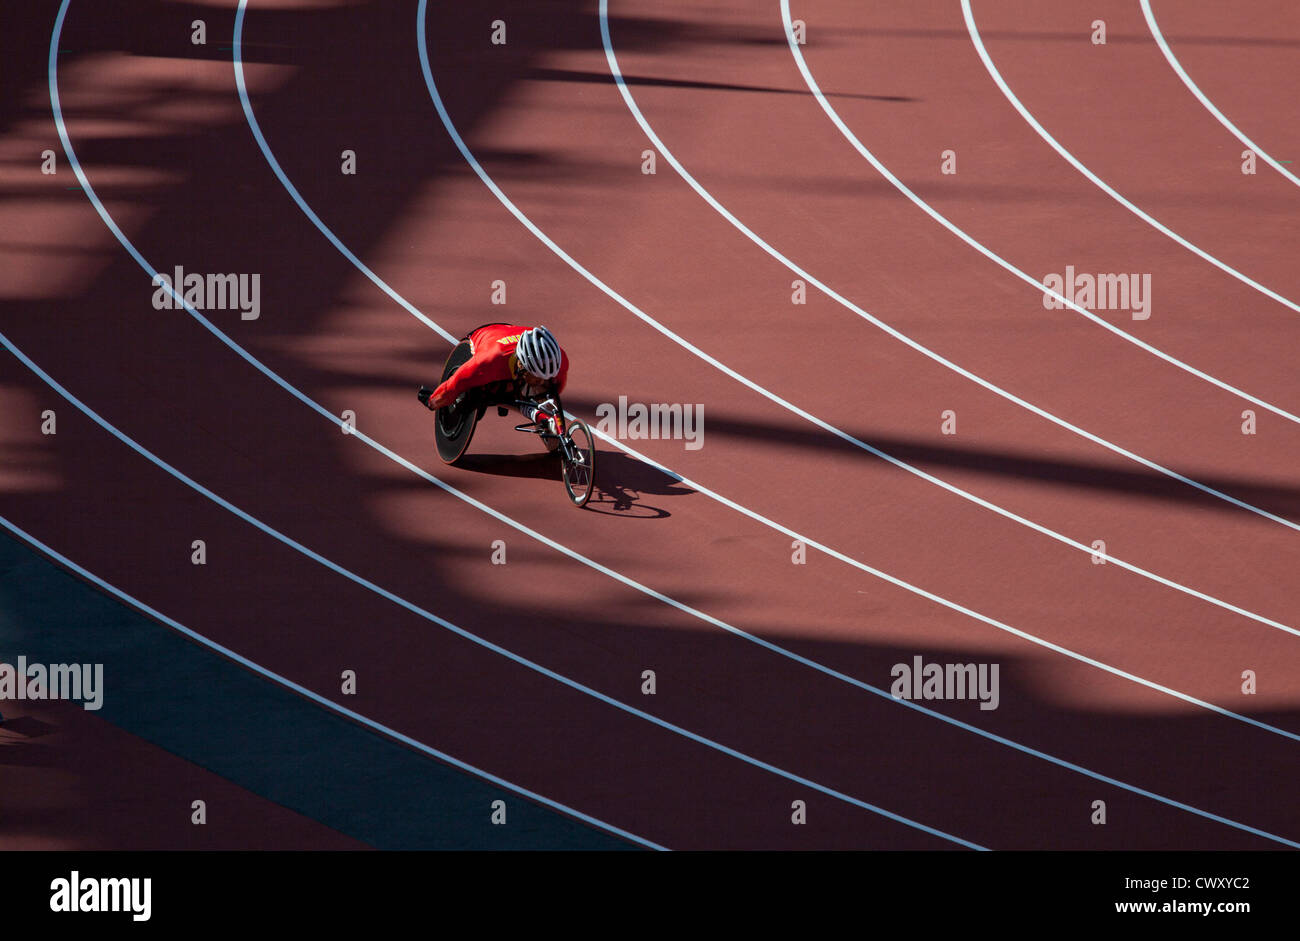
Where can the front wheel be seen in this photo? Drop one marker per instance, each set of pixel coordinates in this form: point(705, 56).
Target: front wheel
point(578, 460)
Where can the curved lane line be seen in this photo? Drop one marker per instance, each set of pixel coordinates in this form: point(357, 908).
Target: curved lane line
point(985, 250)
point(1209, 105)
point(1109, 190)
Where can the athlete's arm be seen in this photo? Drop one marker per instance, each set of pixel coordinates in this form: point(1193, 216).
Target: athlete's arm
point(476, 371)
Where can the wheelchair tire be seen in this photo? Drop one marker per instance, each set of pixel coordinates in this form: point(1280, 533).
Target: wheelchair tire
point(578, 463)
point(454, 425)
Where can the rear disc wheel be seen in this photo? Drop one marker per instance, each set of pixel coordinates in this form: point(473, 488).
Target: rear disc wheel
point(454, 425)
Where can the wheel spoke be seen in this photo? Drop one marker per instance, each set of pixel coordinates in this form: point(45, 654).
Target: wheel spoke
point(578, 467)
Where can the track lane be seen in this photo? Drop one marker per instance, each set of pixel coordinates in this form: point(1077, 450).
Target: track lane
point(1174, 63)
point(1225, 241)
point(1122, 200)
point(1148, 430)
point(1063, 298)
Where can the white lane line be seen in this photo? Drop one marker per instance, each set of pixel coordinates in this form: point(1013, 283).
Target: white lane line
point(57, 111)
point(334, 240)
point(983, 249)
point(316, 697)
point(546, 240)
point(99, 207)
point(1209, 105)
point(1109, 190)
point(846, 303)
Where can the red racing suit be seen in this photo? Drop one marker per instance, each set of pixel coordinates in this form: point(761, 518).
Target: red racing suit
point(494, 360)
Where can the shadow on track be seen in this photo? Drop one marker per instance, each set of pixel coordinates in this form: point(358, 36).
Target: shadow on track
point(1278, 498)
point(622, 482)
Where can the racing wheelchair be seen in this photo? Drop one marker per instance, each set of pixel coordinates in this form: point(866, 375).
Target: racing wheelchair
point(571, 439)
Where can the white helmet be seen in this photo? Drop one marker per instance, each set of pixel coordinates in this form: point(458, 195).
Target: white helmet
point(539, 353)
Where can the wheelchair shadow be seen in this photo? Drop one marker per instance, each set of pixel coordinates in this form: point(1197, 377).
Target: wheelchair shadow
point(539, 466)
point(622, 482)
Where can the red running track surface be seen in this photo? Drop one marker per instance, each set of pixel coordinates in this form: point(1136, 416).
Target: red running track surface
point(158, 127)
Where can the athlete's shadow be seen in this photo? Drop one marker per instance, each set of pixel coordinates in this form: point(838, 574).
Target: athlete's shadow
point(622, 482)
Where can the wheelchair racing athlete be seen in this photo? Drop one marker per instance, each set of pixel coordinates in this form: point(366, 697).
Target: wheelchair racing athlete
point(526, 363)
